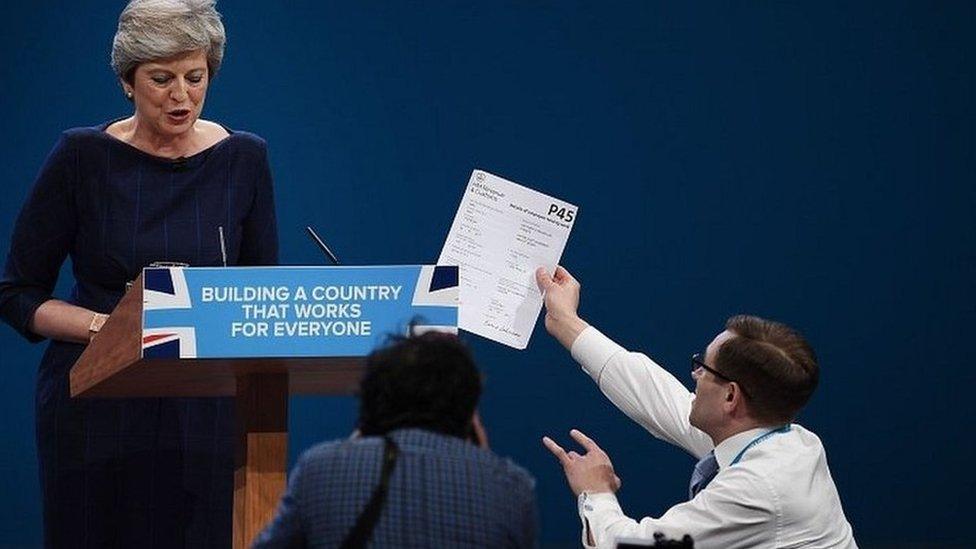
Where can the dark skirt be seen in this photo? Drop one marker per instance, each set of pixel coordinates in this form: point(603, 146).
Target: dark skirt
point(154, 472)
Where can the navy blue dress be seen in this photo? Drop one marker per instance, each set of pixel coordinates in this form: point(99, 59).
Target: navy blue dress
point(134, 472)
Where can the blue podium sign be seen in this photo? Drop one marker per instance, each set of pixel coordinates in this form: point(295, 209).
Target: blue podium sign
point(236, 312)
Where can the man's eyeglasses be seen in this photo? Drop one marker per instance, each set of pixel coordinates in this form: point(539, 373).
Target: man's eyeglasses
point(698, 362)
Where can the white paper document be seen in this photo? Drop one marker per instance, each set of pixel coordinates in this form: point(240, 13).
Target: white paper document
point(501, 234)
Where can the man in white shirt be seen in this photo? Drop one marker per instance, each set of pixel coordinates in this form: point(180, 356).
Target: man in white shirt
point(762, 481)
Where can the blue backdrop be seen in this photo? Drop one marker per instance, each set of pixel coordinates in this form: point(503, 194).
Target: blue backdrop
point(809, 162)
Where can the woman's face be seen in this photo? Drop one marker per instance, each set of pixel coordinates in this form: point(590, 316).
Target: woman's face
point(169, 93)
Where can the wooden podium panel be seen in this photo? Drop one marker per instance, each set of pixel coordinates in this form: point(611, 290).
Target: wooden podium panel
point(261, 453)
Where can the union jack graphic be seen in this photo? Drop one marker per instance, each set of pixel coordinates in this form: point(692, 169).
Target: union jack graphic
point(437, 285)
point(165, 288)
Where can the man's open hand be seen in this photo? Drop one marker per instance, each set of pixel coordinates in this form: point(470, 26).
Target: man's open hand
point(590, 472)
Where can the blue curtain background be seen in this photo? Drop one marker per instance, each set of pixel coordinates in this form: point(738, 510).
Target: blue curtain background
point(810, 162)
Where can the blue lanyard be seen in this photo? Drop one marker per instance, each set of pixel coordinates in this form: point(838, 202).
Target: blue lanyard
point(757, 440)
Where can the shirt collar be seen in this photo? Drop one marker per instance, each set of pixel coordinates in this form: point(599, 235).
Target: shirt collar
point(422, 438)
point(726, 451)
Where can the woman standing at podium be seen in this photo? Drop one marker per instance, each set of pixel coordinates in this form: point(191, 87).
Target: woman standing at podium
point(159, 185)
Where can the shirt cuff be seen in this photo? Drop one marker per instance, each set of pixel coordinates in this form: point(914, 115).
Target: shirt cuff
point(592, 350)
point(588, 506)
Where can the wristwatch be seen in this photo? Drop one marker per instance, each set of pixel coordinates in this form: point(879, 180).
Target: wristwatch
point(97, 321)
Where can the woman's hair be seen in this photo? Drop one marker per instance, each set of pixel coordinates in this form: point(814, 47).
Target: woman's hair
point(156, 29)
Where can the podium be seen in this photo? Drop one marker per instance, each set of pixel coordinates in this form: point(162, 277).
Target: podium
point(258, 334)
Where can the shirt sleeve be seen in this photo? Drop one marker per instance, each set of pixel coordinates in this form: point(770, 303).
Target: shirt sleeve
point(43, 235)
point(286, 530)
point(259, 244)
point(642, 389)
point(737, 510)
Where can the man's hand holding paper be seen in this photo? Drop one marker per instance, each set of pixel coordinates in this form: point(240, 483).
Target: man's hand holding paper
point(501, 234)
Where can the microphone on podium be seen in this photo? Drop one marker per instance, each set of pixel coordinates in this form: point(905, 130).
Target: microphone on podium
point(325, 249)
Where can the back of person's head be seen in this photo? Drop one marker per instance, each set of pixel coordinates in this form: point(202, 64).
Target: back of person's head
point(773, 363)
point(427, 381)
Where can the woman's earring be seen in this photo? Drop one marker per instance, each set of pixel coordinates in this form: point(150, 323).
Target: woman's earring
point(128, 95)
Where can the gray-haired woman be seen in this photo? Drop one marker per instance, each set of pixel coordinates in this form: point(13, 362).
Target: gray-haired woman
point(154, 186)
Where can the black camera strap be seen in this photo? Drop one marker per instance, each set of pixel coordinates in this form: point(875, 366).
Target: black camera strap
point(363, 529)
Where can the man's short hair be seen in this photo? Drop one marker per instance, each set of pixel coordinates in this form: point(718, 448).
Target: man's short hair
point(773, 363)
point(427, 381)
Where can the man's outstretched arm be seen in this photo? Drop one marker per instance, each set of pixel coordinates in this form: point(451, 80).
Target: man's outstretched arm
point(638, 386)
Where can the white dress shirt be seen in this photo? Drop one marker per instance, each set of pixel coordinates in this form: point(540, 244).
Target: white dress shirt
point(778, 494)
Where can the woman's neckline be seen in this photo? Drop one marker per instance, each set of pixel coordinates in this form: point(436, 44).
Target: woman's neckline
point(180, 160)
